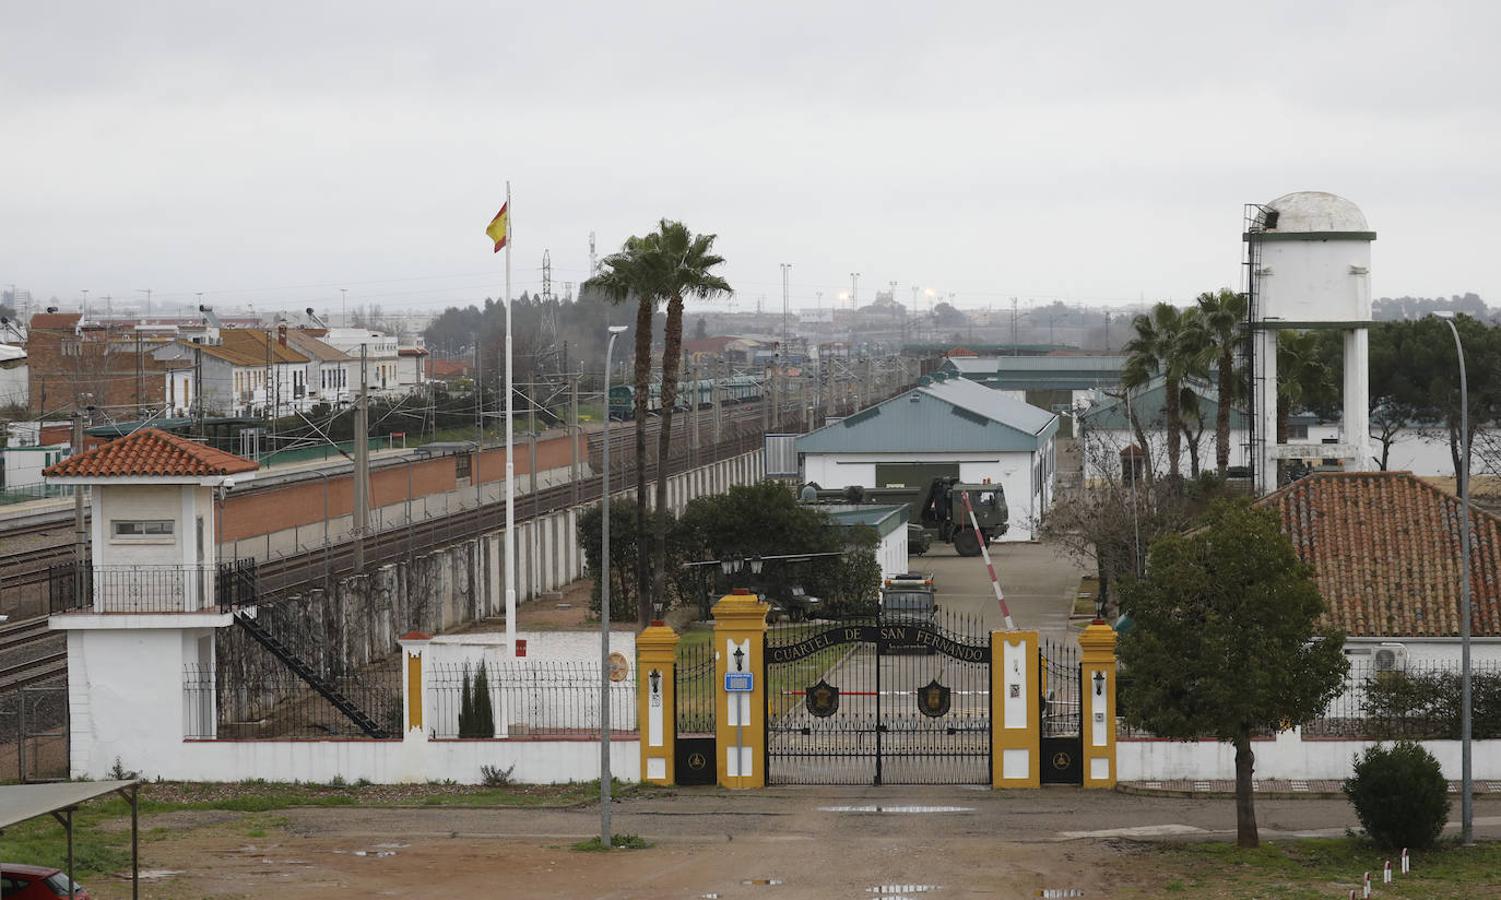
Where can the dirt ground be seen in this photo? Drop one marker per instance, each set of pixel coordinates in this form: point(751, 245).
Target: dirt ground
point(220, 860)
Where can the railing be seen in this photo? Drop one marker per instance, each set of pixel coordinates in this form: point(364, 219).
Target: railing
point(89, 588)
point(1418, 700)
point(278, 705)
point(24, 493)
point(551, 699)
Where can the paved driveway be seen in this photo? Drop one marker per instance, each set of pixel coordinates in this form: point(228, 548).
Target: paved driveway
point(1038, 579)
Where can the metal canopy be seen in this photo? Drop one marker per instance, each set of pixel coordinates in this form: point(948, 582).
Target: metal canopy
point(19, 802)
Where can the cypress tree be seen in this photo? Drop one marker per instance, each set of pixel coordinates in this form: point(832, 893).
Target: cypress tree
point(484, 715)
point(466, 708)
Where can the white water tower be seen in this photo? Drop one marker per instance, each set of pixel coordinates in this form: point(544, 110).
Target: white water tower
point(1308, 259)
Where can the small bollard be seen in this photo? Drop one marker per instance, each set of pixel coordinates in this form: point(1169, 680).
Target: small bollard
point(1406, 863)
point(1366, 891)
point(1386, 873)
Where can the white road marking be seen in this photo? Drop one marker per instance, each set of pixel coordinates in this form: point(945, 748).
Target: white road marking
point(1135, 831)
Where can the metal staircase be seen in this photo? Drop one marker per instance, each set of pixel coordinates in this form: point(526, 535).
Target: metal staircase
point(323, 686)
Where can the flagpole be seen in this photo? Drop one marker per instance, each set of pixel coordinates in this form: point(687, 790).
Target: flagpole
point(510, 464)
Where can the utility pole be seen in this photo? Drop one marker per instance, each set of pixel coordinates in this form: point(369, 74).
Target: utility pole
point(361, 463)
point(533, 555)
point(573, 435)
point(140, 375)
point(786, 301)
point(147, 292)
point(714, 398)
point(854, 290)
point(479, 423)
point(1107, 331)
point(1014, 350)
point(343, 307)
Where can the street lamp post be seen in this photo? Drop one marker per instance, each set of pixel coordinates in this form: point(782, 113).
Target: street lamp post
point(604, 612)
point(1466, 787)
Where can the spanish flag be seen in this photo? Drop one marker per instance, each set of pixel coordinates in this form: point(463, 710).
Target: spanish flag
point(500, 227)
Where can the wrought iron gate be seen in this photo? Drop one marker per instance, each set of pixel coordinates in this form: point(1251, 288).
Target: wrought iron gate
point(878, 701)
point(694, 757)
point(1061, 740)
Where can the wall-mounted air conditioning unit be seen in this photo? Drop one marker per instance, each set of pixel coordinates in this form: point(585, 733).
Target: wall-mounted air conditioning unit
point(1390, 657)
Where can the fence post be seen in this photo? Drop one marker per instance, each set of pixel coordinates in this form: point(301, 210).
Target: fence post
point(1098, 689)
point(740, 716)
point(413, 660)
point(1015, 715)
point(656, 685)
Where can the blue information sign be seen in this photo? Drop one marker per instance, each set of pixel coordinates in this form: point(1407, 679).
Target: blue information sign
point(739, 682)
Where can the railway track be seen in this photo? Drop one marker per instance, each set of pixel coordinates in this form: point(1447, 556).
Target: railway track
point(43, 668)
point(28, 631)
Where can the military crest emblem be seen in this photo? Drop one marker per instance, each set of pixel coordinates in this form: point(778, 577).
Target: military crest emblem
point(822, 699)
point(933, 700)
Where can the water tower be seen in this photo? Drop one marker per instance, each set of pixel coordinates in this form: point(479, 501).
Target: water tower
point(1308, 263)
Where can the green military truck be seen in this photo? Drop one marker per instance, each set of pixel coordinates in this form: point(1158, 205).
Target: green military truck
point(938, 507)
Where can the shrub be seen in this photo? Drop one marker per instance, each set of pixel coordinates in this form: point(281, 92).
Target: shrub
point(1400, 795)
point(495, 776)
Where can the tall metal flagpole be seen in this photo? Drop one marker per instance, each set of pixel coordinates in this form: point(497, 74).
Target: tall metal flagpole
point(510, 464)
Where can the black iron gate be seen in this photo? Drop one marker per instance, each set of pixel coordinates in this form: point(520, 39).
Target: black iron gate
point(1061, 739)
point(878, 701)
point(694, 757)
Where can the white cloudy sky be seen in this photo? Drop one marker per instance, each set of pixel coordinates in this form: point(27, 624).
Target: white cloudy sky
point(273, 152)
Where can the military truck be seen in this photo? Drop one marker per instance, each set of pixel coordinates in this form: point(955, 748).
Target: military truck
point(938, 508)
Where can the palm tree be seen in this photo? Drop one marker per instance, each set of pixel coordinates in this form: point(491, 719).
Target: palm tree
point(683, 262)
point(1305, 378)
point(1166, 344)
point(1221, 331)
point(634, 272)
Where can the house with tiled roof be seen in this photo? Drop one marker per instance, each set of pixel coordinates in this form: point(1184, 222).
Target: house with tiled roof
point(238, 371)
point(1385, 551)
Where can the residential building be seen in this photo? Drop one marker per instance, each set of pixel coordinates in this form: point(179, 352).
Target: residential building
point(948, 426)
point(1385, 549)
point(381, 357)
point(329, 372)
point(411, 368)
point(245, 372)
point(107, 365)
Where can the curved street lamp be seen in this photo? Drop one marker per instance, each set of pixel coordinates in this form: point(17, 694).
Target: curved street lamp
point(604, 613)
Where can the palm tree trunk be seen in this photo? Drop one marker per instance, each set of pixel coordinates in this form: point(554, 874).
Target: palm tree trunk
point(1192, 440)
point(1246, 834)
point(644, 311)
point(1141, 440)
point(1170, 409)
point(1222, 413)
point(672, 347)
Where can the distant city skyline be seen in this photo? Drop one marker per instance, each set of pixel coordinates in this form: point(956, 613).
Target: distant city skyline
point(275, 154)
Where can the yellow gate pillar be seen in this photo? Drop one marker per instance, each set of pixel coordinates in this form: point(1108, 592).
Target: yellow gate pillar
point(1098, 689)
point(1015, 710)
point(656, 686)
point(739, 694)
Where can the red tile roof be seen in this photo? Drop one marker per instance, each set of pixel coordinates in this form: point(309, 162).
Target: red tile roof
point(150, 452)
point(1385, 550)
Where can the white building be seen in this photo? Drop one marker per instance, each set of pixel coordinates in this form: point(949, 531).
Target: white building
point(329, 369)
point(382, 357)
point(411, 368)
point(949, 426)
point(889, 524)
point(244, 371)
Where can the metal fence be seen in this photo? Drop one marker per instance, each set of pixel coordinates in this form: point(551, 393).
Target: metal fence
point(537, 699)
point(278, 705)
point(694, 688)
point(1419, 700)
point(34, 733)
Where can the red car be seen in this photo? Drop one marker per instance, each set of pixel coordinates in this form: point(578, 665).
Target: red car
point(36, 883)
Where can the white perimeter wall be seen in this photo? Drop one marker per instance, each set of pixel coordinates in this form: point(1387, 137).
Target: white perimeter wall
point(1289, 756)
point(1011, 470)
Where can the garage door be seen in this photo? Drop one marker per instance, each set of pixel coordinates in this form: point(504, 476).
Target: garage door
point(918, 475)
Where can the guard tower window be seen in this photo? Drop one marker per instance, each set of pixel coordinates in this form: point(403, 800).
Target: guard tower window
point(142, 530)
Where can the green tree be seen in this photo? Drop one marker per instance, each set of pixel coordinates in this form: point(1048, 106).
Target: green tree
point(483, 712)
point(624, 558)
point(684, 264)
point(634, 274)
point(1225, 641)
point(1221, 327)
point(466, 706)
point(1166, 343)
point(1308, 379)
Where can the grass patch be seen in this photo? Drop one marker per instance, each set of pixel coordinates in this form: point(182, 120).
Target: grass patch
point(617, 841)
point(1315, 868)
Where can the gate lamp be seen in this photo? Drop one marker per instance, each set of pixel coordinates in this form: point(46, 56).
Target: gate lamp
point(1099, 684)
point(755, 565)
point(739, 659)
point(656, 681)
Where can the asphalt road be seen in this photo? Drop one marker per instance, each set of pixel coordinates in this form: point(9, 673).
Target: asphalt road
point(1038, 581)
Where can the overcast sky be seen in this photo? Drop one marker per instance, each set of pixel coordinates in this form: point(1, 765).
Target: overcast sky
point(273, 152)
